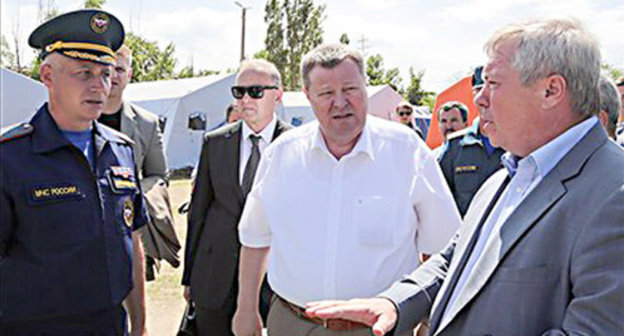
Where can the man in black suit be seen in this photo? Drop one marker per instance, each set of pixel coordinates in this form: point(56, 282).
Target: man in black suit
point(226, 170)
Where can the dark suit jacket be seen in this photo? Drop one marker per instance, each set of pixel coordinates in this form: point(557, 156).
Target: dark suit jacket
point(212, 246)
point(555, 268)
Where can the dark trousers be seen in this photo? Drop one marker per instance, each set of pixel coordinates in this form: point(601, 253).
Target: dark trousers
point(110, 322)
point(218, 322)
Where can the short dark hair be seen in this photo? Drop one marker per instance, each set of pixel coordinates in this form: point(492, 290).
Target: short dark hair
point(455, 104)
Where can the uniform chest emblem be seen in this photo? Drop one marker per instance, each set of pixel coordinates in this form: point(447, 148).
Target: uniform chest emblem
point(466, 169)
point(55, 193)
point(122, 180)
point(128, 212)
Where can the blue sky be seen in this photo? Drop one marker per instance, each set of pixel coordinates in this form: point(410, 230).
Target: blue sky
point(443, 37)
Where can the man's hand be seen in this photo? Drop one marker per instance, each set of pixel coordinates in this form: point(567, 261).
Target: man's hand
point(247, 322)
point(187, 294)
point(379, 313)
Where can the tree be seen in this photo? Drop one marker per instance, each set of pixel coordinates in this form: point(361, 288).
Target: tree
point(377, 75)
point(611, 71)
point(149, 62)
point(274, 50)
point(94, 3)
point(189, 71)
point(7, 58)
point(414, 92)
point(287, 42)
point(344, 39)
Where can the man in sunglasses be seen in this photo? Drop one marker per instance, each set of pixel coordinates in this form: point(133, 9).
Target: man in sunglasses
point(343, 206)
point(404, 111)
point(227, 165)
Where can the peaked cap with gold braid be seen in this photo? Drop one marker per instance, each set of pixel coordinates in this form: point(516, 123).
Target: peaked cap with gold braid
point(90, 34)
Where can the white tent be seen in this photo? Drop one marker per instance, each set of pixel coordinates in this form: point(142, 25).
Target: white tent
point(20, 97)
point(188, 107)
point(295, 108)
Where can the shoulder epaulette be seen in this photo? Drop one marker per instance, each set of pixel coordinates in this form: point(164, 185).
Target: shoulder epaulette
point(458, 134)
point(15, 131)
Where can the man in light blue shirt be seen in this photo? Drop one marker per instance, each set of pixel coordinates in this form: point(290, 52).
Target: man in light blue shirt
point(540, 251)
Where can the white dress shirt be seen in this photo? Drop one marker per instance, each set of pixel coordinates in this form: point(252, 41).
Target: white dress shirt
point(266, 135)
point(526, 174)
point(340, 229)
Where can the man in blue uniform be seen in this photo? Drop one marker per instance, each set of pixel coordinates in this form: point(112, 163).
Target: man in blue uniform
point(70, 203)
point(468, 158)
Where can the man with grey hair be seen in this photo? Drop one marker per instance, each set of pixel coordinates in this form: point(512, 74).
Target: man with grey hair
point(610, 105)
point(540, 251)
point(143, 128)
point(227, 166)
point(343, 206)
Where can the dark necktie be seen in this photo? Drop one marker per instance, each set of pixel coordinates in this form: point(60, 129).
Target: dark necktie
point(252, 165)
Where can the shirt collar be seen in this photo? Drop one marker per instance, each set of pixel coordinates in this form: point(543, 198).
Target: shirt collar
point(548, 156)
point(363, 144)
point(266, 134)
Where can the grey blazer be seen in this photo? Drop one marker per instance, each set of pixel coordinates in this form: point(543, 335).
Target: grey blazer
point(556, 268)
point(212, 245)
point(142, 127)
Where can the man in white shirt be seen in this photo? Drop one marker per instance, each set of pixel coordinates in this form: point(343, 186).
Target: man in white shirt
point(227, 166)
point(540, 251)
point(341, 208)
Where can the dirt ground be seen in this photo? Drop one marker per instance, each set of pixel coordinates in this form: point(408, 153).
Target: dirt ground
point(165, 303)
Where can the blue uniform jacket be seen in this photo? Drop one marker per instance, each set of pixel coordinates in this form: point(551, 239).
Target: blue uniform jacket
point(65, 231)
point(466, 164)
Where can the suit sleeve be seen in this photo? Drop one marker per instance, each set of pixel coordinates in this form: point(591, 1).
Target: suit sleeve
point(201, 198)
point(597, 274)
point(415, 293)
point(155, 163)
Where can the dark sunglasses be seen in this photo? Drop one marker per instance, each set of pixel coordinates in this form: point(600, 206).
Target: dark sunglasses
point(405, 113)
point(254, 91)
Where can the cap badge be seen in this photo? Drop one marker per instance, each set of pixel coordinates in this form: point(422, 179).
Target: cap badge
point(99, 23)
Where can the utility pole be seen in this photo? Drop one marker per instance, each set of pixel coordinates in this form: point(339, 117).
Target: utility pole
point(363, 45)
point(244, 10)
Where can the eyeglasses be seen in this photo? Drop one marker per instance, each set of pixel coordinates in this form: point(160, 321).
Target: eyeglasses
point(405, 113)
point(254, 91)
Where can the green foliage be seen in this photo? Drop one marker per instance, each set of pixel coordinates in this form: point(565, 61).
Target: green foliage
point(189, 71)
point(344, 39)
point(613, 72)
point(7, 58)
point(377, 75)
point(94, 3)
point(414, 92)
point(149, 62)
point(294, 28)
point(430, 101)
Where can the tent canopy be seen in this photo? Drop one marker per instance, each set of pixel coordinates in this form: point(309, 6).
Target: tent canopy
point(187, 107)
point(20, 97)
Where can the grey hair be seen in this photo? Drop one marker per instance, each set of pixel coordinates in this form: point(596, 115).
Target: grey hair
point(262, 66)
point(609, 100)
point(328, 56)
point(126, 52)
point(555, 46)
